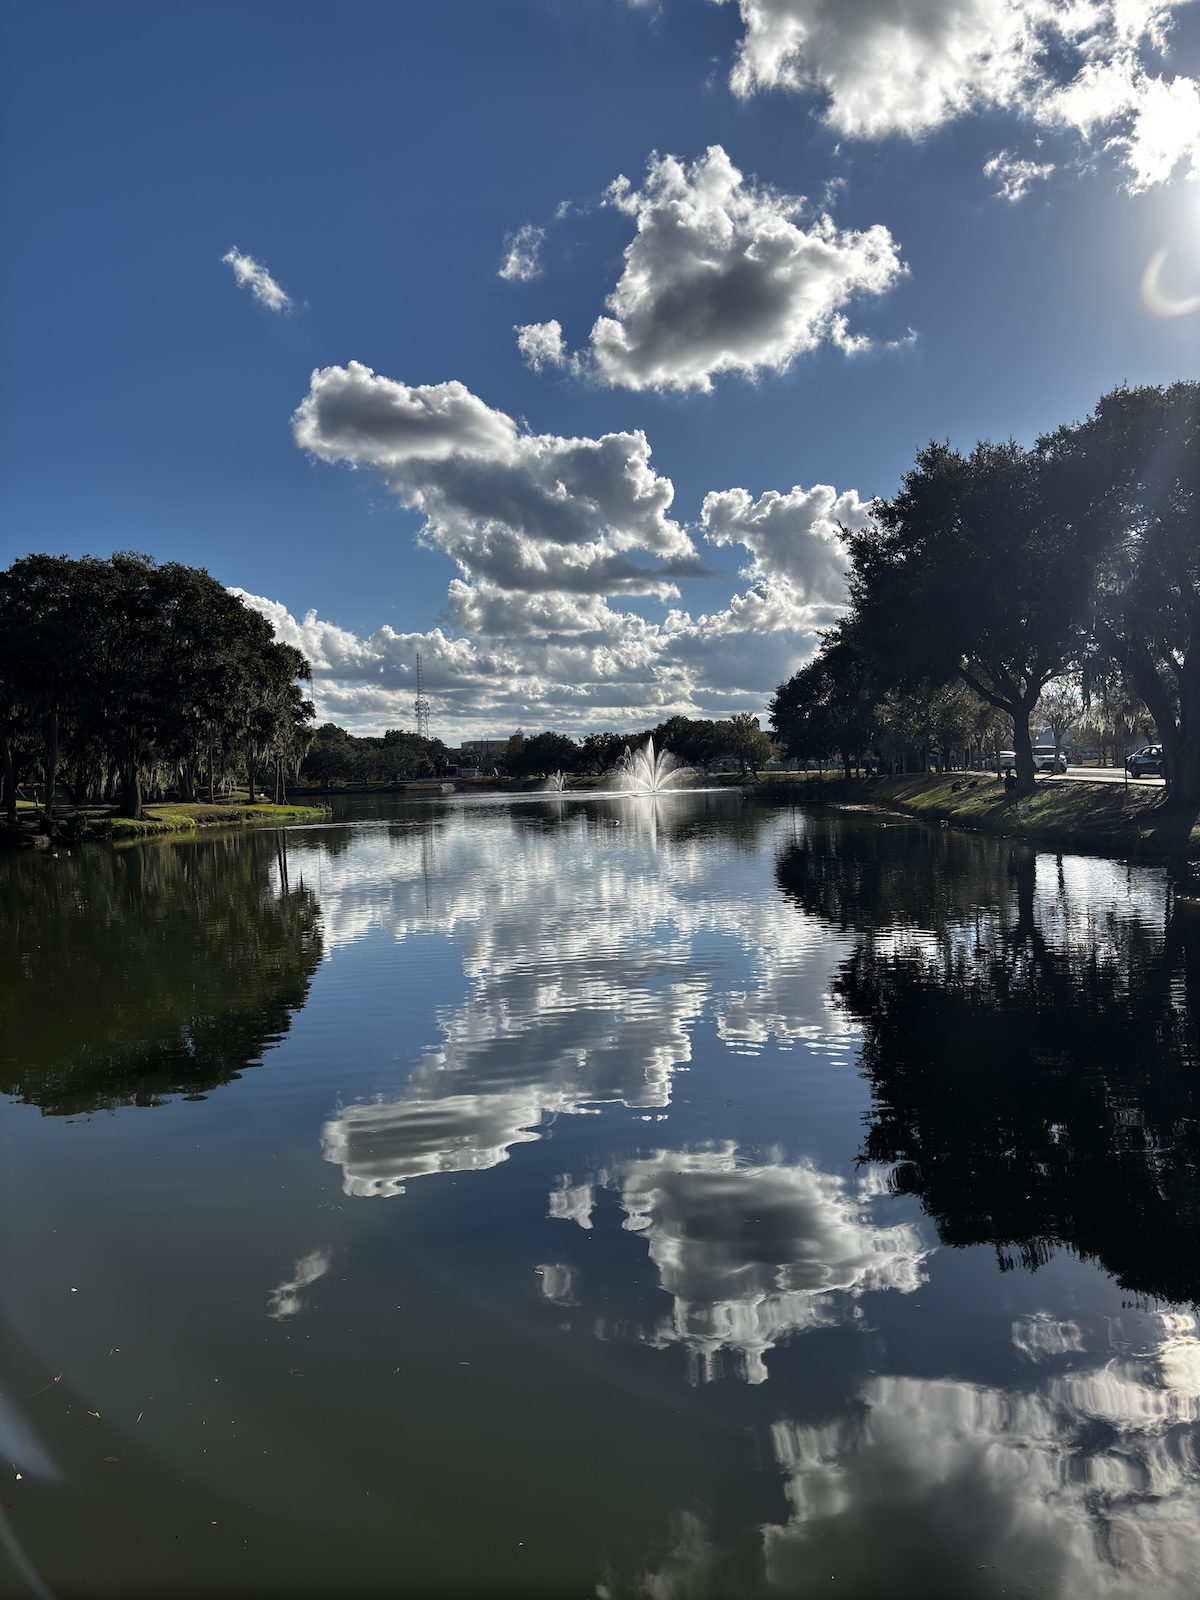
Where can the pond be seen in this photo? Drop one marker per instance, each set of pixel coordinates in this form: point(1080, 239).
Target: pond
point(666, 1197)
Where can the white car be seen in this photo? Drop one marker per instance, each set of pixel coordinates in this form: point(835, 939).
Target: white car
point(1046, 760)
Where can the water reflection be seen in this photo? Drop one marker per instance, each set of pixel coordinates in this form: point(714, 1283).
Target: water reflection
point(559, 1283)
point(1086, 1484)
point(285, 1299)
point(1029, 1030)
point(752, 1253)
point(584, 986)
point(653, 1016)
point(132, 975)
point(380, 1147)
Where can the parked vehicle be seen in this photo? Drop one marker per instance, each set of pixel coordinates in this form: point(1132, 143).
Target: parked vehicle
point(1045, 759)
point(1148, 762)
point(1007, 761)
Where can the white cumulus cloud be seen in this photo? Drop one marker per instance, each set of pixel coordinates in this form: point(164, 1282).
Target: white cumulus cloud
point(902, 67)
point(793, 536)
point(252, 275)
point(551, 537)
point(567, 661)
point(1013, 175)
point(1164, 133)
point(907, 67)
point(722, 275)
point(517, 511)
point(541, 344)
point(522, 256)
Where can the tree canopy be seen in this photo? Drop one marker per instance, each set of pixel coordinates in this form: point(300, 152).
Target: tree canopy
point(968, 572)
point(831, 704)
point(1129, 480)
point(114, 672)
point(1007, 569)
point(336, 756)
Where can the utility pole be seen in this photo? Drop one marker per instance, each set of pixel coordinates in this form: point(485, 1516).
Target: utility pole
point(421, 705)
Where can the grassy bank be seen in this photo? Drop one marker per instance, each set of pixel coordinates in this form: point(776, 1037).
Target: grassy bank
point(1108, 818)
point(179, 817)
point(175, 817)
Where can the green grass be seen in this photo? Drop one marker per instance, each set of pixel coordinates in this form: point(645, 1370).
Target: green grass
point(1114, 818)
point(71, 826)
point(182, 817)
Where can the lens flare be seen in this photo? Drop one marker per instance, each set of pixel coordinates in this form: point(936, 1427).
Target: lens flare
point(1154, 296)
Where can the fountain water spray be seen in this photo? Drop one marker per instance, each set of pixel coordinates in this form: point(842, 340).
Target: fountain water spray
point(646, 772)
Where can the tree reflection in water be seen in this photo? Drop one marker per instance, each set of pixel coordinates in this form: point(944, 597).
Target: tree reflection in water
point(132, 975)
point(1030, 1035)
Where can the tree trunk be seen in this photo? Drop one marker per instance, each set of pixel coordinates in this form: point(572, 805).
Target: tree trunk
point(10, 782)
point(1023, 745)
point(187, 788)
point(1185, 780)
point(846, 765)
point(51, 760)
point(131, 792)
point(1148, 682)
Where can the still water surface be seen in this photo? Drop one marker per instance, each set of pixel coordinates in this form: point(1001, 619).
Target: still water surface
point(598, 1198)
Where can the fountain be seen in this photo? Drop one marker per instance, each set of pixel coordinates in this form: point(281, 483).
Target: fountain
point(646, 772)
point(555, 783)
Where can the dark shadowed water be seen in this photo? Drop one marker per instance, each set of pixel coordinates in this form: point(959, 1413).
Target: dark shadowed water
point(598, 1198)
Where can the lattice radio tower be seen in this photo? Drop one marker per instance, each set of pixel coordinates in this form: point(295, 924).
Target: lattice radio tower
point(421, 705)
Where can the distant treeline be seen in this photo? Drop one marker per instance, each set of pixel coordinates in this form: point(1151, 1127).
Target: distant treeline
point(1057, 583)
point(121, 676)
point(338, 757)
point(696, 742)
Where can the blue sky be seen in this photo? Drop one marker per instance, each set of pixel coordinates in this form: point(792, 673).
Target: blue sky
point(255, 316)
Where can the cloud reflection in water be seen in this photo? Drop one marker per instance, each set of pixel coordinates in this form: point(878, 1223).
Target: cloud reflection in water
point(380, 1146)
point(584, 988)
point(1083, 1484)
point(285, 1298)
point(753, 1253)
point(1088, 1483)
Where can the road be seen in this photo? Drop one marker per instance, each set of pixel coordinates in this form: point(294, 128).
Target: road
point(1104, 775)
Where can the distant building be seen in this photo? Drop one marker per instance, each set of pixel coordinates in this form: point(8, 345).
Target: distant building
point(484, 747)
